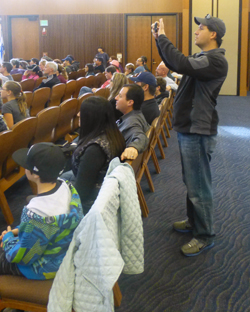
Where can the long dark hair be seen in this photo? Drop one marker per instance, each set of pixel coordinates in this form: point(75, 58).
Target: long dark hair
point(97, 117)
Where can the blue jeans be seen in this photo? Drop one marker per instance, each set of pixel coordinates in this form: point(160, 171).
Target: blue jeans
point(84, 90)
point(196, 150)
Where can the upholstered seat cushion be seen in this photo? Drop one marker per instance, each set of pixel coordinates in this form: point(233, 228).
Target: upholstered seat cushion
point(23, 289)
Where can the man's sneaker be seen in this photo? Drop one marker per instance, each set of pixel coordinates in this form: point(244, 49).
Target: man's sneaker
point(195, 247)
point(183, 226)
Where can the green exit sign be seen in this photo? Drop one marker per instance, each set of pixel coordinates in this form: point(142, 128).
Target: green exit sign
point(44, 23)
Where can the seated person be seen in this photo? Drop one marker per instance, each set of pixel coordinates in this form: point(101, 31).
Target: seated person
point(113, 58)
point(67, 64)
point(89, 69)
point(103, 55)
point(132, 124)
point(42, 64)
point(99, 142)
point(75, 64)
point(116, 64)
point(163, 72)
point(15, 67)
point(116, 84)
point(15, 109)
point(3, 125)
point(32, 72)
point(98, 67)
point(160, 92)
point(109, 71)
point(50, 70)
point(140, 68)
point(34, 61)
point(36, 248)
point(145, 59)
point(149, 106)
point(129, 70)
point(23, 65)
point(62, 74)
point(5, 70)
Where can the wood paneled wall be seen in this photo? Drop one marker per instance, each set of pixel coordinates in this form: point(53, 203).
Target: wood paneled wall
point(80, 35)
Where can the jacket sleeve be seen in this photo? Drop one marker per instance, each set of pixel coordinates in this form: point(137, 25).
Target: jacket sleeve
point(205, 67)
point(30, 244)
point(139, 139)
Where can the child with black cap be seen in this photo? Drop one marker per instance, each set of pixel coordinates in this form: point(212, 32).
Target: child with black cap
point(37, 247)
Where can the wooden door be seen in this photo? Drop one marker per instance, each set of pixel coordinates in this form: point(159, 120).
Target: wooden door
point(140, 41)
point(25, 38)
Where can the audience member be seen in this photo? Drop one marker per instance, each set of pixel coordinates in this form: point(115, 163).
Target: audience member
point(99, 142)
point(116, 64)
point(129, 70)
point(162, 71)
point(23, 65)
point(15, 67)
point(109, 71)
point(145, 60)
point(15, 109)
point(113, 58)
point(47, 59)
point(75, 64)
point(161, 92)
point(32, 72)
point(42, 64)
point(34, 61)
point(62, 74)
point(89, 69)
point(149, 106)
point(36, 248)
point(57, 61)
point(3, 125)
point(116, 84)
point(67, 64)
point(132, 124)
point(5, 69)
point(98, 68)
point(50, 70)
point(103, 55)
point(140, 68)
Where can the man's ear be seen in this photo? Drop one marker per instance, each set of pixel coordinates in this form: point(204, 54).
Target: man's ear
point(213, 35)
point(130, 103)
point(145, 88)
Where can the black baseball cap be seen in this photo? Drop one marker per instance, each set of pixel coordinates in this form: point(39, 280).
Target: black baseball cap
point(146, 77)
point(44, 159)
point(213, 22)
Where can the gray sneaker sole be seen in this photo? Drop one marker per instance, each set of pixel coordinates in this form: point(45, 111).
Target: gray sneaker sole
point(197, 253)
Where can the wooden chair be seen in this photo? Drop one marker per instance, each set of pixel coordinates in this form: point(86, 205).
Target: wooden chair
point(69, 90)
point(28, 84)
point(29, 97)
point(40, 98)
point(17, 77)
point(90, 82)
point(100, 92)
point(157, 124)
point(72, 75)
point(39, 81)
point(80, 73)
point(18, 292)
point(6, 141)
point(65, 120)
point(46, 123)
point(99, 80)
point(57, 93)
point(80, 82)
point(75, 124)
point(23, 132)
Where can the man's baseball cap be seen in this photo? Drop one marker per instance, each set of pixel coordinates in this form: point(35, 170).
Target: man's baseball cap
point(68, 58)
point(213, 22)
point(44, 159)
point(145, 77)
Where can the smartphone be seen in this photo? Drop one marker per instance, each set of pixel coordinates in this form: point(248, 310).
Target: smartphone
point(156, 27)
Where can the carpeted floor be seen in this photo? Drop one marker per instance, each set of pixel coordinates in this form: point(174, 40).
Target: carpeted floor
point(218, 279)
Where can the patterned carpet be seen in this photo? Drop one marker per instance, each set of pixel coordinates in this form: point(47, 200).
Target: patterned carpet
point(218, 279)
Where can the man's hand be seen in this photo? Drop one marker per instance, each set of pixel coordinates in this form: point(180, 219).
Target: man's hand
point(160, 27)
point(155, 34)
point(26, 73)
point(129, 153)
point(168, 88)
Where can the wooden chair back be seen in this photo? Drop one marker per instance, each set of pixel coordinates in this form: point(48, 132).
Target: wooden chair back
point(40, 98)
point(65, 120)
point(6, 141)
point(80, 73)
point(100, 92)
point(69, 90)
point(75, 124)
point(39, 81)
point(72, 75)
point(29, 97)
point(90, 81)
point(28, 84)
point(80, 82)
point(99, 80)
point(57, 93)
point(17, 77)
point(46, 122)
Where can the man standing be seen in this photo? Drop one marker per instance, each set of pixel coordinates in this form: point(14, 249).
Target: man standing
point(195, 119)
point(103, 55)
point(132, 124)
